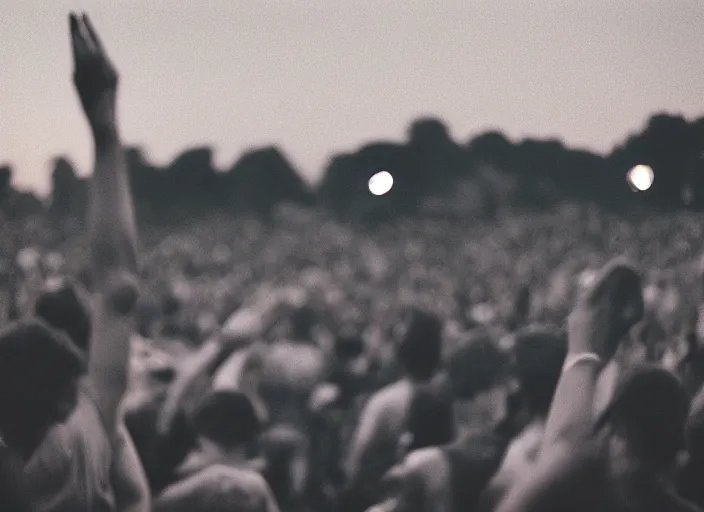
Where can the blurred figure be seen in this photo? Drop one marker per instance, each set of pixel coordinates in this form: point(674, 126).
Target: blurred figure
point(218, 475)
point(452, 477)
point(539, 354)
point(334, 407)
point(374, 447)
point(39, 370)
point(64, 307)
point(218, 488)
point(292, 367)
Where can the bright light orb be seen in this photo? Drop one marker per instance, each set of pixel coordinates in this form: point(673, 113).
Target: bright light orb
point(381, 183)
point(641, 177)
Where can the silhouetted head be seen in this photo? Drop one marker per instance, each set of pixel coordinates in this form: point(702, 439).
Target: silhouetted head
point(475, 364)
point(350, 366)
point(39, 372)
point(348, 346)
point(539, 355)
point(302, 322)
point(645, 423)
point(420, 349)
point(65, 309)
point(229, 418)
point(170, 305)
point(478, 372)
point(160, 454)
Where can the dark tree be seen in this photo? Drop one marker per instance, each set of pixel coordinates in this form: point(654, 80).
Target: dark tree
point(69, 196)
point(5, 181)
point(344, 189)
point(146, 181)
point(435, 161)
point(191, 185)
point(263, 178)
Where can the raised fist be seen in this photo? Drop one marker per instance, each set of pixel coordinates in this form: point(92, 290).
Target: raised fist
point(94, 75)
point(609, 308)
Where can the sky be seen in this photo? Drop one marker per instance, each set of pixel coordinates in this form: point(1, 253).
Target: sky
point(317, 77)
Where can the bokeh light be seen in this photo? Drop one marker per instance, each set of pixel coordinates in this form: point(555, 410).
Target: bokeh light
point(381, 183)
point(640, 177)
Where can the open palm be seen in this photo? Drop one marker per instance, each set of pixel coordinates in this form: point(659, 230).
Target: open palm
point(94, 75)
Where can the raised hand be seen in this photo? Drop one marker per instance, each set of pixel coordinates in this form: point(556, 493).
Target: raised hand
point(112, 234)
point(94, 75)
point(607, 311)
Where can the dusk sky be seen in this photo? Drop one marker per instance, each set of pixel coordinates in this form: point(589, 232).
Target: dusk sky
point(323, 76)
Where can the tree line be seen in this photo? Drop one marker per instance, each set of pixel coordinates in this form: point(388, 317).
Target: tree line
point(431, 173)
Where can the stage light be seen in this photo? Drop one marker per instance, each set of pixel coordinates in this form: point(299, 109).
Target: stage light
point(641, 177)
point(381, 183)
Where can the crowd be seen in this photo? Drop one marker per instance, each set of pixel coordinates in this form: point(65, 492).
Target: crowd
point(301, 364)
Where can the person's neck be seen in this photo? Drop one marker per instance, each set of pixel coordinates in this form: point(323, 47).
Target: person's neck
point(301, 337)
point(419, 380)
point(236, 455)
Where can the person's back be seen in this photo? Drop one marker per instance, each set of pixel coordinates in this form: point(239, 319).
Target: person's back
point(390, 407)
point(218, 488)
point(291, 370)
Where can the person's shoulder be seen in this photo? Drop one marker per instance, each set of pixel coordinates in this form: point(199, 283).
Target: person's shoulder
point(396, 392)
point(57, 451)
point(216, 486)
point(323, 398)
point(242, 479)
point(429, 465)
point(430, 457)
point(50, 474)
point(391, 403)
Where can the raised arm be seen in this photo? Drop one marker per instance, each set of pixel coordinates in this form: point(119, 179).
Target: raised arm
point(112, 232)
point(597, 324)
point(183, 392)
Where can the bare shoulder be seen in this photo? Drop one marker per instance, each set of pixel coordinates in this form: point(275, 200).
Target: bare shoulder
point(425, 458)
point(214, 486)
point(245, 483)
point(392, 398)
point(430, 464)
